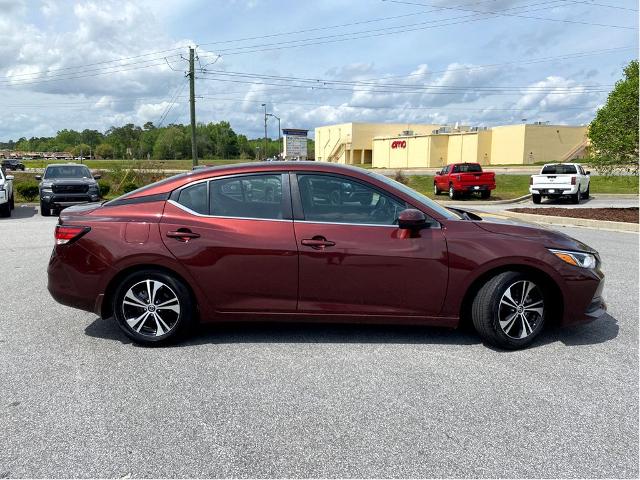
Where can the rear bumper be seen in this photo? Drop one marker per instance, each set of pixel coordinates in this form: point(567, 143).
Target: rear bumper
point(74, 277)
point(555, 190)
point(474, 188)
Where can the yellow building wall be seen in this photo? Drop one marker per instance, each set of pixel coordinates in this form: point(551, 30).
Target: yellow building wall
point(419, 152)
point(462, 148)
point(507, 145)
point(551, 143)
point(329, 138)
point(381, 149)
point(438, 152)
point(484, 147)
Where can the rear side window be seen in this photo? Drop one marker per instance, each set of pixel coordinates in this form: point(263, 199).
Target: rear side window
point(558, 169)
point(195, 198)
point(247, 196)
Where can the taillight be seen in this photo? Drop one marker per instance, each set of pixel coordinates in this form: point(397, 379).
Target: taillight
point(573, 180)
point(67, 234)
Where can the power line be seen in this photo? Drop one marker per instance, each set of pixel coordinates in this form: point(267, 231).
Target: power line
point(518, 15)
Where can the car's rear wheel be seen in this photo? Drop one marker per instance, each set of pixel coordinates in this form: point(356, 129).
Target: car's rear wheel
point(436, 190)
point(452, 193)
point(576, 197)
point(152, 307)
point(586, 194)
point(537, 198)
point(485, 194)
point(509, 310)
point(5, 210)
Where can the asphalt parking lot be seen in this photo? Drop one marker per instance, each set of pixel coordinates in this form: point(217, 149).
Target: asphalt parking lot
point(78, 399)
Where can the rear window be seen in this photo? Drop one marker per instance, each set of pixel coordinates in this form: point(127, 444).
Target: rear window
point(467, 168)
point(558, 169)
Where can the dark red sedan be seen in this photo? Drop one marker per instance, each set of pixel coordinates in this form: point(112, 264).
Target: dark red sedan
point(285, 241)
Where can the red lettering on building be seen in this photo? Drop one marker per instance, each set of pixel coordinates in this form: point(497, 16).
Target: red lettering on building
point(399, 144)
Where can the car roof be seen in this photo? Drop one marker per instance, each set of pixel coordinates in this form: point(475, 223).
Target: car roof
point(171, 183)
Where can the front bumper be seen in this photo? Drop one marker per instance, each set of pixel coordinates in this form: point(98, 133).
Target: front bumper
point(583, 304)
point(54, 200)
point(3, 196)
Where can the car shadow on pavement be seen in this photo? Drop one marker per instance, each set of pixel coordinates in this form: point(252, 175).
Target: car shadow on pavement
point(21, 211)
point(600, 331)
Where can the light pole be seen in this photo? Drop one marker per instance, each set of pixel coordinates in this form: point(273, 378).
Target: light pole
point(265, 130)
point(279, 130)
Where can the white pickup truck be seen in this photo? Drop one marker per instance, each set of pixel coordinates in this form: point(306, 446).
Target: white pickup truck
point(6, 194)
point(556, 180)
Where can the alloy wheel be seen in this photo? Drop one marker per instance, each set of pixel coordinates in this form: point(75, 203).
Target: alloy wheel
point(521, 309)
point(151, 308)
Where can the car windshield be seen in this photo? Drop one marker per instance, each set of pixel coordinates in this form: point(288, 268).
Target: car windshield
point(558, 169)
point(416, 195)
point(67, 171)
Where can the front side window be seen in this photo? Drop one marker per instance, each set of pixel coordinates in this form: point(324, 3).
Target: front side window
point(247, 196)
point(195, 198)
point(332, 199)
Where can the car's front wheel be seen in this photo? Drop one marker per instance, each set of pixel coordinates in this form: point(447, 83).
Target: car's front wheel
point(537, 198)
point(5, 210)
point(509, 310)
point(152, 307)
point(45, 210)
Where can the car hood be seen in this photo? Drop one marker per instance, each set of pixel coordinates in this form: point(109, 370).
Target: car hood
point(505, 225)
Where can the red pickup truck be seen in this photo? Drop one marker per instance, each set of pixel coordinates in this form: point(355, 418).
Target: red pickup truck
point(459, 178)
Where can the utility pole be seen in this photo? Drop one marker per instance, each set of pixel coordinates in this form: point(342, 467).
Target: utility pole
point(265, 130)
point(279, 132)
point(192, 101)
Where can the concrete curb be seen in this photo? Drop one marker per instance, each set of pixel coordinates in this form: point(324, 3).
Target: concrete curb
point(575, 222)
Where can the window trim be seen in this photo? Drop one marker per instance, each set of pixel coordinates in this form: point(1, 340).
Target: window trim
point(287, 215)
point(298, 211)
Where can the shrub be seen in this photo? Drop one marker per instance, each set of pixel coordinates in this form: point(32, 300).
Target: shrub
point(105, 188)
point(28, 190)
point(401, 177)
point(129, 187)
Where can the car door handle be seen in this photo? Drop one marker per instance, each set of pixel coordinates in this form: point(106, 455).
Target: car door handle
point(183, 234)
point(317, 242)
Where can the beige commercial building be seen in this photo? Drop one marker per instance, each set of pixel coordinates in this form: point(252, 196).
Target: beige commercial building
point(412, 145)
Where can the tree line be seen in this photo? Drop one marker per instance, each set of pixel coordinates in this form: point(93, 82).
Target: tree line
point(214, 140)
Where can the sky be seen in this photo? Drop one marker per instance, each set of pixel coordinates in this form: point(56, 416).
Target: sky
point(97, 64)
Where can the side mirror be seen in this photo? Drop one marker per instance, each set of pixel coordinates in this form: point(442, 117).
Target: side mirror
point(412, 219)
point(38, 177)
point(97, 177)
point(9, 177)
point(588, 172)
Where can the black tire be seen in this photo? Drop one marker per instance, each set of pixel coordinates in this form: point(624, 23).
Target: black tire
point(149, 330)
point(12, 202)
point(452, 193)
point(576, 197)
point(485, 194)
point(5, 210)
point(537, 198)
point(488, 309)
point(45, 211)
point(586, 194)
point(436, 190)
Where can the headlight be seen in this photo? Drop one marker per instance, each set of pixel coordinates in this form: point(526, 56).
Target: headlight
point(578, 259)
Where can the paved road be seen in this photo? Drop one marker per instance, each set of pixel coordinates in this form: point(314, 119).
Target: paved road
point(77, 399)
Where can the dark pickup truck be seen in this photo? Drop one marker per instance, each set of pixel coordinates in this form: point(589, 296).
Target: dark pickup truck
point(12, 164)
point(63, 185)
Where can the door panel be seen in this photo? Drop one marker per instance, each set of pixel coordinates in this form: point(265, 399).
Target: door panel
point(354, 260)
point(371, 270)
point(244, 264)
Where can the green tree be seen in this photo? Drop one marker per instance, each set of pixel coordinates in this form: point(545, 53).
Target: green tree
point(80, 150)
point(104, 150)
point(614, 131)
point(170, 143)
